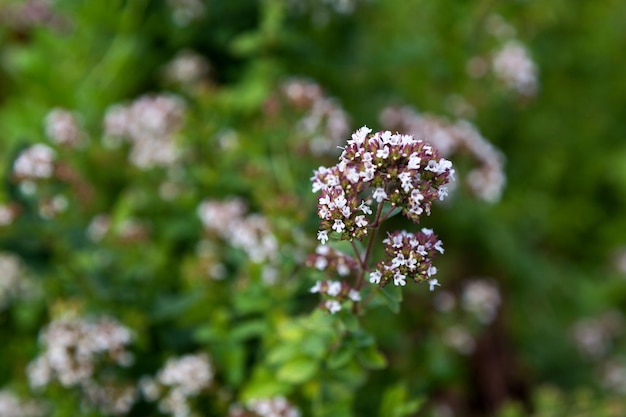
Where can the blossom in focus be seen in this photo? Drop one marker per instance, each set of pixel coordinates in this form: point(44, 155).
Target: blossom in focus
point(407, 173)
point(408, 256)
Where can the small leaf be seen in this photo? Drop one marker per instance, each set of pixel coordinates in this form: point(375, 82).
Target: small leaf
point(298, 370)
point(263, 384)
point(281, 354)
point(371, 358)
point(392, 296)
point(249, 329)
point(340, 357)
point(396, 402)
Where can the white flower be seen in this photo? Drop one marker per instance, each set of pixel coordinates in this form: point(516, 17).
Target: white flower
point(333, 306)
point(383, 153)
point(354, 295)
point(322, 236)
point(432, 271)
point(379, 195)
point(414, 161)
point(439, 247)
point(375, 277)
point(334, 288)
point(316, 288)
point(399, 279)
point(427, 232)
point(365, 208)
point(338, 226)
point(321, 263)
point(432, 283)
point(360, 221)
point(359, 136)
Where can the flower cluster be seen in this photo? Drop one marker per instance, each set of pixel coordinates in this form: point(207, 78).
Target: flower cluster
point(188, 68)
point(28, 14)
point(326, 258)
point(35, 162)
point(324, 123)
point(335, 293)
point(74, 351)
point(514, 67)
point(63, 128)
point(13, 281)
point(150, 124)
point(408, 256)
point(594, 336)
point(407, 173)
point(181, 378)
point(7, 214)
point(510, 63)
point(251, 233)
point(266, 407)
point(186, 11)
point(482, 299)
point(75, 347)
point(13, 406)
point(487, 180)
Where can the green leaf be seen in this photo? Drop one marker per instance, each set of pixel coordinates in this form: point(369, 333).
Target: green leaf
point(298, 370)
point(371, 358)
point(282, 353)
point(396, 402)
point(263, 384)
point(392, 296)
point(247, 330)
point(340, 357)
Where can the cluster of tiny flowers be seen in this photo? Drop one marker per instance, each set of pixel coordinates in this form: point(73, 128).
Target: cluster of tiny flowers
point(13, 282)
point(482, 299)
point(325, 124)
point(186, 11)
point(406, 172)
point(98, 227)
point(487, 180)
point(408, 256)
point(251, 233)
point(594, 336)
point(266, 407)
point(51, 207)
point(73, 349)
point(327, 259)
point(188, 68)
point(510, 63)
point(613, 375)
point(63, 128)
point(150, 124)
point(335, 293)
point(109, 399)
point(13, 406)
point(35, 162)
point(28, 14)
point(179, 380)
point(7, 214)
point(460, 339)
point(513, 65)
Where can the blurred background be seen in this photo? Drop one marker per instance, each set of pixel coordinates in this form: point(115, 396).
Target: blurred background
point(156, 205)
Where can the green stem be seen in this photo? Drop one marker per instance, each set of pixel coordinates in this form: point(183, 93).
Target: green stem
point(363, 261)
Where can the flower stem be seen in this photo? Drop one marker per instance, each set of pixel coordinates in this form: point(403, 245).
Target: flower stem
point(363, 261)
